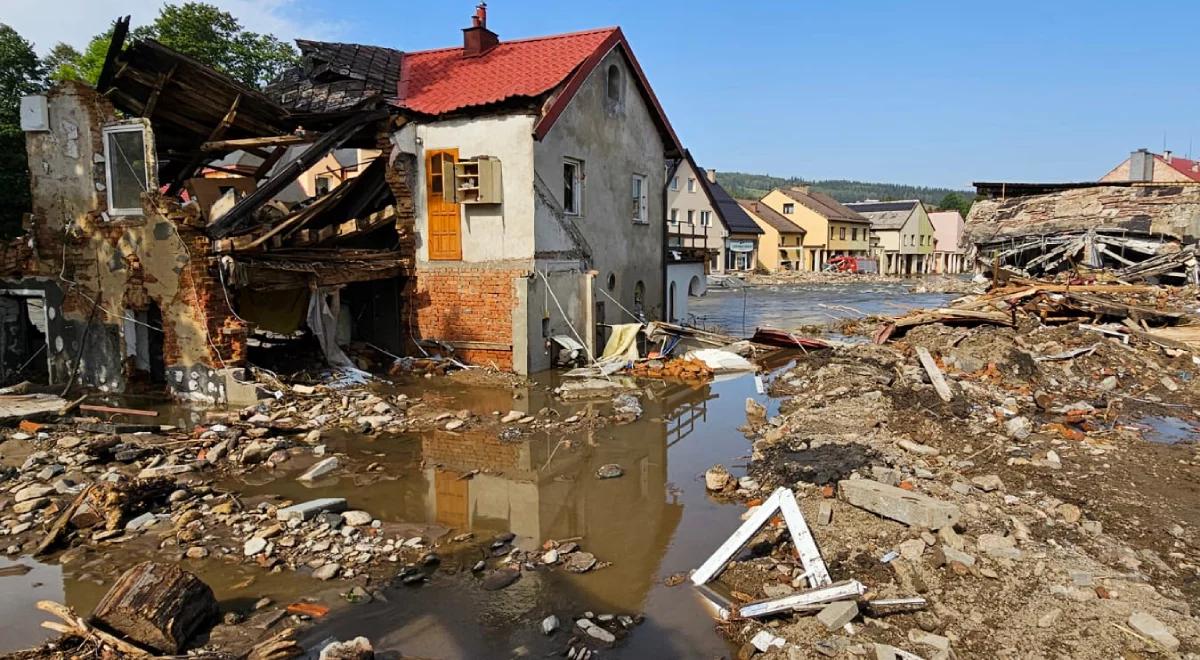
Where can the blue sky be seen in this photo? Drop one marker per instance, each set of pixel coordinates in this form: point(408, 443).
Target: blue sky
point(931, 93)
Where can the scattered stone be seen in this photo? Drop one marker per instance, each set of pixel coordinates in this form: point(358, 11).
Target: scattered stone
point(609, 471)
point(988, 483)
point(500, 578)
point(358, 648)
point(998, 546)
point(327, 571)
point(918, 636)
point(835, 615)
point(1048, 619)
point(716, 478)
point(825, 512)
point(320, 469)
point(913, 509)
point(254, 546)
point(357, 518)
point(765, 640)
point(912, 550)
point(1156, 630)
point(580, 562)
point(596, 631)
point(549, 625)
point(306, 510)
point(1069, 512)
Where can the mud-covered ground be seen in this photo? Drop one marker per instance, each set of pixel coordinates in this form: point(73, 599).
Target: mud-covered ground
point(1077, 478)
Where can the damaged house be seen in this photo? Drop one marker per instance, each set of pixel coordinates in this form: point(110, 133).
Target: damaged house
point(508, 203)
point(1137, 230)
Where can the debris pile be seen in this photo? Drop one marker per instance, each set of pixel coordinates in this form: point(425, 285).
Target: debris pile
point(970, 459)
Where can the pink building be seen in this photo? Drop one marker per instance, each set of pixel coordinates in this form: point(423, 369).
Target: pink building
point(949, 242)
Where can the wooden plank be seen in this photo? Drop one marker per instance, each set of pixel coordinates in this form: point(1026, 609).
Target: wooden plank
point(802, 539)
point(935, 374)
point(118, 411)
point(726, 550)
point(268, 141)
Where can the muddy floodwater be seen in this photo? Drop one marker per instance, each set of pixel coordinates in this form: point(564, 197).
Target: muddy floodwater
point(739, 311)
point(653, 521)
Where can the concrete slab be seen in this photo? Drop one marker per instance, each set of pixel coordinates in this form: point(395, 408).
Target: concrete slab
point(913, 509)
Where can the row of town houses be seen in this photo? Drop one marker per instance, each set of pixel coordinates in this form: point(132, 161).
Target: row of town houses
point(509, 201)
point(798, 228)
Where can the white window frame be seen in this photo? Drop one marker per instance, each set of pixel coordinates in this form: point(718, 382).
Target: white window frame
point(691, 216)
point(691, 184)
point(706, 218)
point(577, 187)
point(675, 183)
point(108, 164)
point(789, 209)
point(637, 183)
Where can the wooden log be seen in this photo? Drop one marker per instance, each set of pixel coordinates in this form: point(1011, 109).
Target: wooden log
point(935, 374)
point(160, 606)
point(61, 523)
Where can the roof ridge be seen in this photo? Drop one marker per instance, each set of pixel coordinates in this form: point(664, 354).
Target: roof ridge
point(544, 37)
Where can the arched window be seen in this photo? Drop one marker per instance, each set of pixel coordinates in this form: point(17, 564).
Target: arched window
point(614, 83)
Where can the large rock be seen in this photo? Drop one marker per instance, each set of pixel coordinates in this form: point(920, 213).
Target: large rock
point(913, 509)
point(306, 510)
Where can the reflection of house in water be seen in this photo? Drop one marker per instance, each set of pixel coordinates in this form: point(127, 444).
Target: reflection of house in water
point(546, 487)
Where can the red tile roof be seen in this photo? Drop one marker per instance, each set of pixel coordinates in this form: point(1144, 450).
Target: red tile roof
point(436, 82)
point(1184, 166)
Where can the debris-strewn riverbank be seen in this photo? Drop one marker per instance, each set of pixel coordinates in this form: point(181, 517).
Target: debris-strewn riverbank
point(1039, 430)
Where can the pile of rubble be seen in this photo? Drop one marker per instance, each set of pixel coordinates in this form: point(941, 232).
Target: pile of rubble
point(994, 460)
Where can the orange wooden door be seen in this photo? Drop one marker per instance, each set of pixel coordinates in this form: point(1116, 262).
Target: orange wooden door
point(445, 229)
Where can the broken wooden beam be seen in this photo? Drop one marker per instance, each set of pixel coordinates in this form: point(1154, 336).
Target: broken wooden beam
point(159, 606)
point(255, 142)
point(935, 374)
point(118, 411)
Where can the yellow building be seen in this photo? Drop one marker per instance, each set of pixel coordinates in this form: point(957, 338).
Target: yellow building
point(781, 247)
point(830, 229)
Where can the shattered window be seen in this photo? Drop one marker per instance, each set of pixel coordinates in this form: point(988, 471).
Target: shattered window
point(128, 178)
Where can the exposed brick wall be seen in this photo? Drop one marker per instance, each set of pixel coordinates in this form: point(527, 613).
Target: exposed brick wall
point(479, 453)
point(467, 304)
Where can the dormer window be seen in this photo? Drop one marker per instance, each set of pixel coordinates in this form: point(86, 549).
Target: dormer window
point(615, 83)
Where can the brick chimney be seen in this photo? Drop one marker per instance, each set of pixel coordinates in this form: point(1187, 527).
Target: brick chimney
point(712, 175)
point(477, 39)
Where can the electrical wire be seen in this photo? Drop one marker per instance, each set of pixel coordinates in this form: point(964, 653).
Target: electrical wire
point(565, 318)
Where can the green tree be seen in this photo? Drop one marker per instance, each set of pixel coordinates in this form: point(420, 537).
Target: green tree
point(64, 62)
point(20, 75)
point(955, 202)
point(216, 38)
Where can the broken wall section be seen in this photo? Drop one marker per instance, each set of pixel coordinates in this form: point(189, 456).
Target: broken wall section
point(122, 291)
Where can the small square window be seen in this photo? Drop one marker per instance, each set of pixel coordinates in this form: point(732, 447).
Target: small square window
point(321, 185)
point(674, 183)
point(675, 216)
point(789, 209)
point(126, 169)
point(573, 186)
point(691, 185)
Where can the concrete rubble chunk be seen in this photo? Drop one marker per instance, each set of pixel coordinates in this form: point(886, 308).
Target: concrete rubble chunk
point(913, 509)
point(357, 518)
point(998, 546)
point(1156, 630)
point(988, 483)
point(765, 640)
point(320, 469)
point(306, 510)
point(836, 615)
point(918, 636)
point(33, 492)
point(358, 648)
point(716, 478)
point(165, 471)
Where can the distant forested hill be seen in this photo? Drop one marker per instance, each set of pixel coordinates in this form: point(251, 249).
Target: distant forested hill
point(753, 186)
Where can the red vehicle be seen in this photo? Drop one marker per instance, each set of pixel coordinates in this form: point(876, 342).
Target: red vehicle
point(848, 264)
